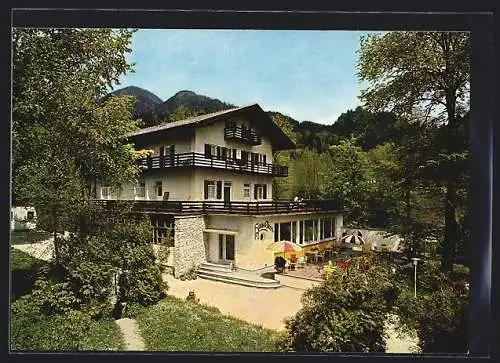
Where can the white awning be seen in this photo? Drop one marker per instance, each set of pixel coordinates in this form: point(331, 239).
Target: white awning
point(220, 231)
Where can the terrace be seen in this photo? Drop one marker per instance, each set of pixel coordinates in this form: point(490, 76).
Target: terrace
point(231, 207)
point(192, 159)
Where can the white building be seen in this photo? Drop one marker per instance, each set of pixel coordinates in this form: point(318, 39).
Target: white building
point(208, 186)
point(22, 218)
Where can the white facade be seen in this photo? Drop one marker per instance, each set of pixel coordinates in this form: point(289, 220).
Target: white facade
point(22, 218)
point(221, 237)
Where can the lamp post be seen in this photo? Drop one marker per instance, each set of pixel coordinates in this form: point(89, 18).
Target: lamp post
point(415, 261)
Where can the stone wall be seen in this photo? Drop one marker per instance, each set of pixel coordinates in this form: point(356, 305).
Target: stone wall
point(189, 250)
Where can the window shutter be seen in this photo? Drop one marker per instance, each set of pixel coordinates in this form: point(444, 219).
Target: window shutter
point(218, 152)
point(219, 189)
point(206, 189)
point(172, 150)
point(255, 195)
point(234, 154)
point(207, 150)
point(264, 193)
point(264, 158)
point(224, 153)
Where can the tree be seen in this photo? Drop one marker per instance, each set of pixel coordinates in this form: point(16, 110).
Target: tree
point(430, 71)
point(182, 112)
point(310, 169)
point(347, 179)
point(347, 312)
point(65, 138)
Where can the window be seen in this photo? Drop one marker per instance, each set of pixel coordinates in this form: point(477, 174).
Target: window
point(276, 232)
point(308, 230)
point(163, 231)
point(285, 231)
point(105, 192)
point(246, 190)
point(326, 228)
point(31, 215)
point(262, 158)
point(213, 189)
point(210, 189)
point(260, 191)
point(159, 189)
point(140, 189)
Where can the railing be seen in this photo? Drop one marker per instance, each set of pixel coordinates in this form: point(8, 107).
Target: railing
point(242, 134)
point(192, 159)
point(232, 207)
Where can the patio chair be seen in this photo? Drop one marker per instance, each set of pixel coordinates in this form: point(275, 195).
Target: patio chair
point(293, 262)
point(320, 255)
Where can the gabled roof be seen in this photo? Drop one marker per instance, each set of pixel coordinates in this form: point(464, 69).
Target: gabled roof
point(279, 140)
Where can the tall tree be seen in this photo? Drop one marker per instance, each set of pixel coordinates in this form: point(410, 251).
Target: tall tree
point(430, 71)
point(347, 179)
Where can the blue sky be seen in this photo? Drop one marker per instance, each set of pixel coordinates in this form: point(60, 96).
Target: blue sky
point(308, 75)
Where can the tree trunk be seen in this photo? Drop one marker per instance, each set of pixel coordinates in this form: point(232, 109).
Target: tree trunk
point(450, 222)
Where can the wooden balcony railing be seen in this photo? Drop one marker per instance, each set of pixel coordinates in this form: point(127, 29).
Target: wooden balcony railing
point(232, 207)
point(245, 135)
point(192, 159)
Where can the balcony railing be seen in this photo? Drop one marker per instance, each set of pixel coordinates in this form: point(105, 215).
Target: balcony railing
point(231, 207)
point(245, 135)
point(201, 160)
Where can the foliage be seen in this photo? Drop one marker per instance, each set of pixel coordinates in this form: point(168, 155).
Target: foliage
point(346, 313)
point(190, 275)
point(424, 74)
point(309, 171)
point(175, 325)
point(73, 330)
point(439, 313)
point(24, 270)
point(347, 179)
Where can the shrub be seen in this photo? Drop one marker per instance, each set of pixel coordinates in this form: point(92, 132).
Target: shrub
point(346, 313)
point(439, 312)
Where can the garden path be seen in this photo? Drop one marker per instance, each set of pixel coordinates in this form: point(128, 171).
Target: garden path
point(131, 334)
point(41, 250)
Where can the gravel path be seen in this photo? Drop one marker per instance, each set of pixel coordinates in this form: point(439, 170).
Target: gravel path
point(41, 250)
point(131, 334)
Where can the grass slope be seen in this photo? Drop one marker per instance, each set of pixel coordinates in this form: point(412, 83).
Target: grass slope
point(177, 325)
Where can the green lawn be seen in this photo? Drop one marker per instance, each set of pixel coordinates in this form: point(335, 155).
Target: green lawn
point(28, 236)
point(177, 325)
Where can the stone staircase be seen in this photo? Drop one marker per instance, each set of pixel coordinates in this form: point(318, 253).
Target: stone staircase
point(223, 273)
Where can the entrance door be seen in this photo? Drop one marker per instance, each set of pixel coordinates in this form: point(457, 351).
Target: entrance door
point(226, 248)
point(227, 193)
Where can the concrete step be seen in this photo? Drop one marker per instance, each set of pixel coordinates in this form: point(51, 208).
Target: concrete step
point(219, 266)
point(239, 281)
point(215, 269)
point(238, 276)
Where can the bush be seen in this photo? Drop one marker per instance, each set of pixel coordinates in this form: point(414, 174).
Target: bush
point(24, 271)
point(439, 312)
point(346, 313)
point(73, 330)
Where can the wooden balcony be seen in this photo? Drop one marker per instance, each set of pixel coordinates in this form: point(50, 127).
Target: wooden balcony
point(191, 159)
point(232, 207)
point(247, 136)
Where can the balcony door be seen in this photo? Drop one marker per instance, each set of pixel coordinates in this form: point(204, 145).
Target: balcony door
point(226, 248)
point(227, 193)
